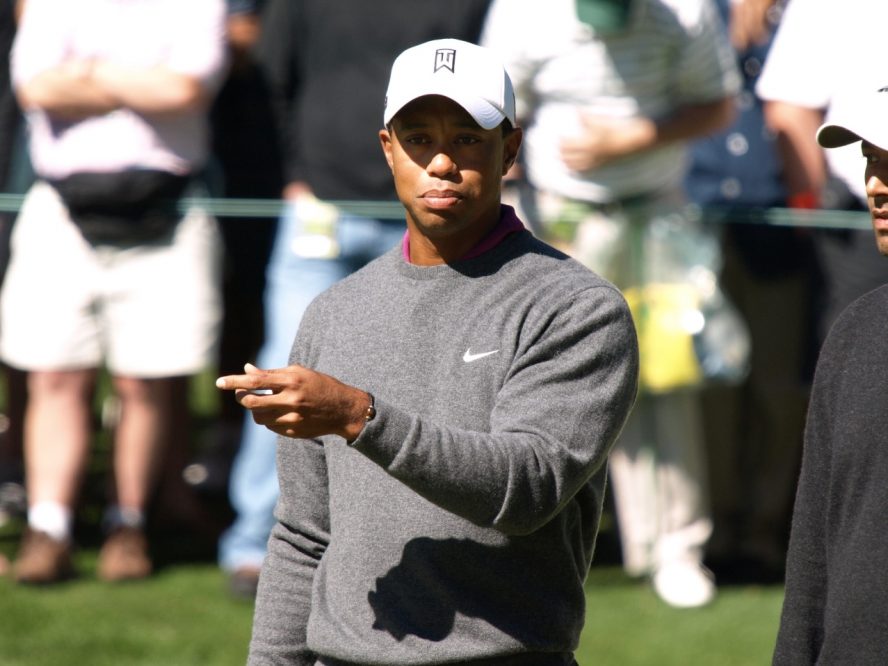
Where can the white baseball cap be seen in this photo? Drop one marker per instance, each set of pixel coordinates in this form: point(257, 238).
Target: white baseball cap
point(855, 117)
point(469, 74)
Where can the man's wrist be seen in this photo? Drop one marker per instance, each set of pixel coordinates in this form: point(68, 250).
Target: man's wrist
point(636, 135)
point(365, 413)
point(807, 200)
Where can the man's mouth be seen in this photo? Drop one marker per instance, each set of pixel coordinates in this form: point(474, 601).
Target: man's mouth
point(880, 220)
point(441, 198)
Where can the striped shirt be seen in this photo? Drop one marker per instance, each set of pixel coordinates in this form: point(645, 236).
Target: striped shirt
point(674, 52)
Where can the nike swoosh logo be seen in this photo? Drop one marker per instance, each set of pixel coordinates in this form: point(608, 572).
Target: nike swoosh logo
point(468, 357)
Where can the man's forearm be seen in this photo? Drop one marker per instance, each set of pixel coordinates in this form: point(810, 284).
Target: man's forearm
point(695, 121)
point(79, 89)
point(795, 126)
point(606, 139)
point(156, 90)
point(689, 122)
point(67, 91)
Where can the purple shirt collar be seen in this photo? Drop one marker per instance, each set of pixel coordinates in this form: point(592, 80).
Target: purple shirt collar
point(507, 225)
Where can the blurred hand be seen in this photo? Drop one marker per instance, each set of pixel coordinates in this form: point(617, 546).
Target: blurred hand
point(296, 190)
point(243, 32)
point(298, 402)
point(602, 140)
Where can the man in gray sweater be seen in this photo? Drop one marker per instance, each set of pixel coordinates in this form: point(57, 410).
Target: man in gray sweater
point(447, 415)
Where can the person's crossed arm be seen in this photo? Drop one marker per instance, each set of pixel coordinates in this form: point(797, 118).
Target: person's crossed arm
point(80, 88)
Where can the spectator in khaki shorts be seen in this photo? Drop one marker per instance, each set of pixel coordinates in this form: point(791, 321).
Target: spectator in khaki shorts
point(104, 268)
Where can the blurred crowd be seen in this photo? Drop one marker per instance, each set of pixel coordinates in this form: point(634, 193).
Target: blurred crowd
point(662, 139)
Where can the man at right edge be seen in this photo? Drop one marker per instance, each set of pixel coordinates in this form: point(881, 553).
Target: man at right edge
point(834, 609)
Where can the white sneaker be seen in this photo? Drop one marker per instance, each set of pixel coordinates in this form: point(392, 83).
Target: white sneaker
point(684, 584)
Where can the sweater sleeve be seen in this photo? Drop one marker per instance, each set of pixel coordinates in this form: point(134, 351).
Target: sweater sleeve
point(554, 421)
point(295, 547)
point(801, 623)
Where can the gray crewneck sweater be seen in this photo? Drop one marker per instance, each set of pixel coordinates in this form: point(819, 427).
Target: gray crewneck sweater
point(460, 525)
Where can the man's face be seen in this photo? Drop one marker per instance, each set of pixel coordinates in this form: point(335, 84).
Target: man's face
point(448, 172)
point(876, 176)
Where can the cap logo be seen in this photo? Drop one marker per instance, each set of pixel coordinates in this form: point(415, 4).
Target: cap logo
point(445, 59)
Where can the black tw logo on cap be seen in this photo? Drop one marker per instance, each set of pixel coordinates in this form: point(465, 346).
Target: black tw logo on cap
point(445, 59)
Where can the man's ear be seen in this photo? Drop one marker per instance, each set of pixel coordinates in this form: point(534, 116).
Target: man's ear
point(511, 146)
point(385, 139)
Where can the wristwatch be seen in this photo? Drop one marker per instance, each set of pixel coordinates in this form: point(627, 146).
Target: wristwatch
point(370, 414)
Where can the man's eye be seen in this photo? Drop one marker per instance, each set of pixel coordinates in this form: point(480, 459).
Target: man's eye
point(467, 140)
point(871, 159)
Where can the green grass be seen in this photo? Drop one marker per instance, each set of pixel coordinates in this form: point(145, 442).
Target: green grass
point(627, 625)
point(183, 616)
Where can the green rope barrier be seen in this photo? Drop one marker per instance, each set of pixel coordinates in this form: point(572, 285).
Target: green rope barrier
point(392, 210)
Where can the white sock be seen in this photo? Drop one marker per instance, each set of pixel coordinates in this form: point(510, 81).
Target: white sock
point(51, 517)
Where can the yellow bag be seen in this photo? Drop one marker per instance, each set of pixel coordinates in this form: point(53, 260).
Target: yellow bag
point(667, 316)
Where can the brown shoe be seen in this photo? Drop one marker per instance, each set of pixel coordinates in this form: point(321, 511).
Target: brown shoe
point(124, 556)
point(42, 559)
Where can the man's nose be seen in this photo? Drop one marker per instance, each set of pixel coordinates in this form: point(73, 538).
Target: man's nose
point(442, 164)
point(877, 183)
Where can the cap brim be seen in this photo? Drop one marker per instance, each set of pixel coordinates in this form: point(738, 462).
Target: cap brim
point(482, 111)
point(835, 136)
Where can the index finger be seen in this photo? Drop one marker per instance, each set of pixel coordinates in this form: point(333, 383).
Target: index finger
point(253, 379)
point(257, 379)
point(246, 382)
